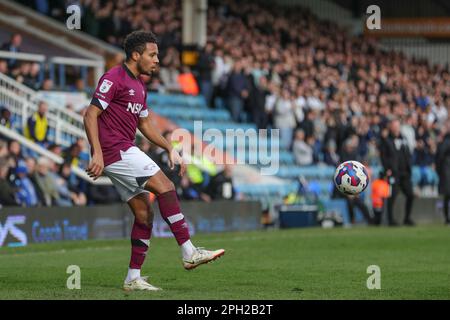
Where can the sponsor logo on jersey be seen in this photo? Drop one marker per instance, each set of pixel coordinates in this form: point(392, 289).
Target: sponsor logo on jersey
point(131, 92)
point(105, 86)
point(134, 107)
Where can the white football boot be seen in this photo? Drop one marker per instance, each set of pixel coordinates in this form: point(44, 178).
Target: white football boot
point(202, 256)
point(139, 284)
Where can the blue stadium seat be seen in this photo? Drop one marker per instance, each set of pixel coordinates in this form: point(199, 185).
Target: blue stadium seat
point(175, 100)
point(222, 126)
point(186, 113)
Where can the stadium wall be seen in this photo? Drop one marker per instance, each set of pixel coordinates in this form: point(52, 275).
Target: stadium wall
point(22, 226)
point(425, 210)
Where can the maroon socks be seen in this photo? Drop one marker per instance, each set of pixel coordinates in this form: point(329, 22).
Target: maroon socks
point(171, 213)
point(140, 240)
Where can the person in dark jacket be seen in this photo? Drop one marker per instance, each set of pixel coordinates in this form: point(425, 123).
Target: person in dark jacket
point(221, 185)
point(7, 193)
point(205, 67)
point(257, 101)
point(396, 159)
point(443, 169)
point(5, 117)
point(237, 91)
point(13, 46)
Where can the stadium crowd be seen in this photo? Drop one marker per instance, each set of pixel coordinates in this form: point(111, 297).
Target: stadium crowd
point(29, 180)
point(286, 69)
point(323, 89)
point(26, 179)
point(327, 92)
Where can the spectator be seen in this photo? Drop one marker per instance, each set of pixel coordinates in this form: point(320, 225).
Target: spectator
point(15, 151)
point(221, 185)
point(26, 193)
point(3, 67)
point(72, 155)
point(308, 123)
point(443, 169)
point(199, 173)
point(205, 67)
point(257, 102)
point(380, 192)
point(271, 99)
point(37, 125)
point(13, 46)
point(64, 198)
point(330, 155)
point(169, 72)
point(187, 190)
point(46, 183)
point(74, 185)
point(236, 91)
point(56, 149)
point(396, 160)
point(47, 85)
point(284, 118)
point(187, 82)
point(14, 157)
point(5, 118)
point(31, 169)
point(7, 194)
point(303, 152)
point(3, 149)
point(31, 79)
point(350, 149)
point(408, 131)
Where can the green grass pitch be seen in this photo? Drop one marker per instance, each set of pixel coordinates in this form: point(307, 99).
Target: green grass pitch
point(291, 264)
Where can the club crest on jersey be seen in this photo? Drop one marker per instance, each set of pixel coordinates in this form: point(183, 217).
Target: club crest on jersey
point(134, 107)
point(105, 86)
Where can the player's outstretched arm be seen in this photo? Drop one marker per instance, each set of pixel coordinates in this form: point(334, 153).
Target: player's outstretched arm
point(96, 165)
point(152, 133)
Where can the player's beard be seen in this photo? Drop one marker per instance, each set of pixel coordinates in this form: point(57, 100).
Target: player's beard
point(143, 71)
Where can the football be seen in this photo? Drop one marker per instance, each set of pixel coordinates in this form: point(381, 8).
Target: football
point(351, 178)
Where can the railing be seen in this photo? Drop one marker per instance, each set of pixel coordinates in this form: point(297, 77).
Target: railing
point(31, 95)
point(12, 85)
point(99, 66)
point(59, 63)
point(44, 152)
point(22, 56)
point(65, 133)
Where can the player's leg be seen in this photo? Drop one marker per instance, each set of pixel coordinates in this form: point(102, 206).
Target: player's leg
point(170, 210)
point(128, 175)
point(140, 233)
point(140, 241)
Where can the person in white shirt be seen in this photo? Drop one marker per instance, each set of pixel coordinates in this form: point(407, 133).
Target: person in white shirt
point(284, 118)
point(303, 152)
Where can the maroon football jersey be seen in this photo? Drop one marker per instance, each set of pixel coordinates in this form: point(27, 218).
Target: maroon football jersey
point(122, 97)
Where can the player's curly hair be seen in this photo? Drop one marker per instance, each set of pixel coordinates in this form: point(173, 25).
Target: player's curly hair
point(136, 41)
